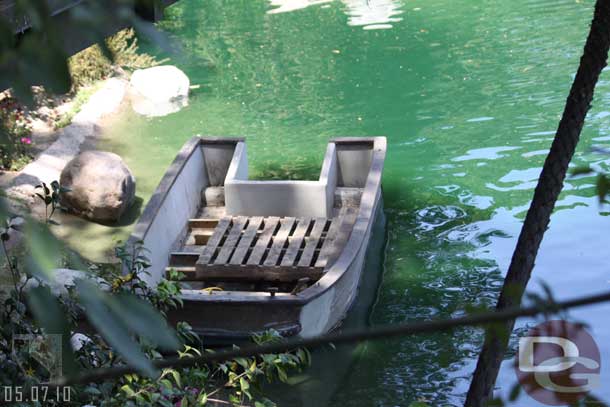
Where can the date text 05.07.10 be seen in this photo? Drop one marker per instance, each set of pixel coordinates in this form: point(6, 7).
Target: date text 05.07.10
point(39, 393)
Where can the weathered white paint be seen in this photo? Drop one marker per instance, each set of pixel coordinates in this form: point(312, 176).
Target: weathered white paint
point(315, 316)
point(328, 176)
point(181, 203)
point(354, 164)
point(280, 198)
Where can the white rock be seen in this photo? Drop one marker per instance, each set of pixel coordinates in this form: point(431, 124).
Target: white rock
point(158, 91)
point(78, 340)
point(63, 278)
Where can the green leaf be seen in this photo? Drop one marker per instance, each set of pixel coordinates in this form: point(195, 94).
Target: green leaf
point(203, 398)
point(51, 317)
point(603, 187)
point(243, 362)
point(514, 392)
point(44, 249)
point(128, 391)
point(112, 327)
point(176, 376)
point(166, 383)
point(44, 65)
point(144, 320)
point(93, 390)
point(243, 383)
point(585, 169)
point(281, 373)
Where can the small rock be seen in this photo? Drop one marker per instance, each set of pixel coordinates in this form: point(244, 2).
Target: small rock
point(102, 187)
point(63, 279)
point(159, 90)
point(78, 340)
point(14, 232)
point(17, 223)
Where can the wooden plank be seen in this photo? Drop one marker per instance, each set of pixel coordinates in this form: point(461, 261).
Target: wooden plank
point(247, 273)
point(279, 241)
point(263, 240)
point(345, 230)
point(183, 258)
point(311, 242)
point(337, 237)
point(191, 248)
point(212, 244)
point(203, 223)
point(202, 236)
point(228, 247)
point(328, 242)
point(296, 242)
point(246, 240)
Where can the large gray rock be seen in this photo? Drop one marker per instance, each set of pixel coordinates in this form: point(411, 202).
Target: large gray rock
point(159, 90)
point(102, 187)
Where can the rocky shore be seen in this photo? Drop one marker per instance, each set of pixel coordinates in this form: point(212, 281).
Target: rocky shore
point(68, 142)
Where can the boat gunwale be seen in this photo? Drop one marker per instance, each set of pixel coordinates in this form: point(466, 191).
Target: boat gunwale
point(168, 180)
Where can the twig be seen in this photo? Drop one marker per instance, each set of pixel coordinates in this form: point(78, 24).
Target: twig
point(14, 272)
point(382, 332)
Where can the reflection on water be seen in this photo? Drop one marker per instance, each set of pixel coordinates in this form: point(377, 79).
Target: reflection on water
point(370, 14)
point(284, 6)
point(373, 14)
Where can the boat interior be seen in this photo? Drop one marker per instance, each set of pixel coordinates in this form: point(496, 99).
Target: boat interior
point(270, 236)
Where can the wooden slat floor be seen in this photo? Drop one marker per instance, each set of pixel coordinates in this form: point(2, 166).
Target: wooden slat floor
point(257, 249)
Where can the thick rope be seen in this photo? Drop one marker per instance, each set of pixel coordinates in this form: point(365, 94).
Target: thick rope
point(547, 191)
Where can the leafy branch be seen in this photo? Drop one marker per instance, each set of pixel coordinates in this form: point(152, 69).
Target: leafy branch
point(51, 197)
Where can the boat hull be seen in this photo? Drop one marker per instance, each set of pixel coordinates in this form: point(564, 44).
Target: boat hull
point(355, 163)
point(222, 321)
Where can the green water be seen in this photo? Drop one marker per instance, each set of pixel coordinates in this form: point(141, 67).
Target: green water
point(468, 93)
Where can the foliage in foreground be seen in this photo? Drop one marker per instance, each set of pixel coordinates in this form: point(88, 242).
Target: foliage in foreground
point(236, 382)
point(14, 124)
point(86, 68)
point(91, 64)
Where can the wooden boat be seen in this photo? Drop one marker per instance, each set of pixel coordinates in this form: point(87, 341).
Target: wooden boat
point(257, 255)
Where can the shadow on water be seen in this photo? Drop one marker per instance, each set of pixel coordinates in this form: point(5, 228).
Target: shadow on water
point(304, 170)
point(330, 365)
point(96, 241)
point(131, 216)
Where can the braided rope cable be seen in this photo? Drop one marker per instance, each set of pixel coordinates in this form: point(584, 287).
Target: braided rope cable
point(547, 191)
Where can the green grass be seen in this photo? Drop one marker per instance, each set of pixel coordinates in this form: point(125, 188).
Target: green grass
point(82, 96)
